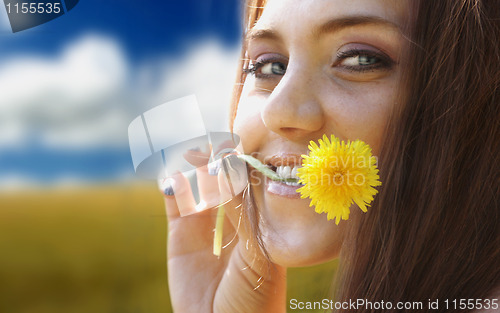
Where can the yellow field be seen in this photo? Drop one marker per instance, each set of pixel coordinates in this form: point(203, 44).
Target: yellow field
point(99, 249)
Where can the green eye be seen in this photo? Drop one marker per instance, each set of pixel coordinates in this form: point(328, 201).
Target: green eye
point(267, 69)
point(274, 68)
point(363, 60)
point(367, 60)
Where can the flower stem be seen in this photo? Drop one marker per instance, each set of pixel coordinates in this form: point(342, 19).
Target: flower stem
point(255, 163)
point(219, 227)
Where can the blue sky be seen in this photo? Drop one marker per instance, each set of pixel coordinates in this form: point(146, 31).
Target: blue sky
point(69, 88)
point(144, 28)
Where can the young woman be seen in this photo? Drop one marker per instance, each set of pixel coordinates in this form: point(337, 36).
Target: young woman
point(419, 81)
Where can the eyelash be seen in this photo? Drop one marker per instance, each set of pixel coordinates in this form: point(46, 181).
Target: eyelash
point(384, 62)
point(253, 69)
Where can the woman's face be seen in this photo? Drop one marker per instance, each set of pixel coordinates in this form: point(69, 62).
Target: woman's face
point(318, 67)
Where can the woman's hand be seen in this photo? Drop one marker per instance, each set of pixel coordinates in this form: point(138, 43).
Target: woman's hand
point(241, 279)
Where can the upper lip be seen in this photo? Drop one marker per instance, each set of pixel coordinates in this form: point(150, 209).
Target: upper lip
point(284, 159)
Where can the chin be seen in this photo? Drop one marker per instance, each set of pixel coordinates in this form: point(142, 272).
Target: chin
point(302, 253)
point(295, 235)
point(301, 237)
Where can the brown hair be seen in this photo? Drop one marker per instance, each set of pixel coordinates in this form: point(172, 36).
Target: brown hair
point(253, 11)
point(432, 232)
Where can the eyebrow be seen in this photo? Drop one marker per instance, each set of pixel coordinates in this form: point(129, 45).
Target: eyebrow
point(328, 27)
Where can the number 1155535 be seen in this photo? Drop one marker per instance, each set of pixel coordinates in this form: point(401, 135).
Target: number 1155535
point(34, 8)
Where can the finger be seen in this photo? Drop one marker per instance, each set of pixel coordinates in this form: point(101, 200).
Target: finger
point(197, 157)
point(207, 186)
point(233, 182)
point(166, 187)
point(181, 201)
point(208, 189)
point(233, 178)
point(187, 232)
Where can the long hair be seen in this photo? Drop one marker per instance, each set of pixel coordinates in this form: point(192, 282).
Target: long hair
point(253, 11)
point(433, 230)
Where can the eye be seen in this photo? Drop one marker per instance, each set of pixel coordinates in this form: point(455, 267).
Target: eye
point(274, 68)
point(268, 67)
point(363, 60)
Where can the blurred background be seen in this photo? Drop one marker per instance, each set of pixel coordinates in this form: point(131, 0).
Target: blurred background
point(78, 231)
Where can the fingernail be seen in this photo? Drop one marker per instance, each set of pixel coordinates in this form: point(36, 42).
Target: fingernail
point(232, 165)
point(168, 191)
point(214, 168)
point(166, 186)
point(195, 149)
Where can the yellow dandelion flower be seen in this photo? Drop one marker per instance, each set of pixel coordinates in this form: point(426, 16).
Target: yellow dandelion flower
point(336, 174)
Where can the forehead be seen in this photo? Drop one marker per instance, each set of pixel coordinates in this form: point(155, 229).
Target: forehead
point(303, 15)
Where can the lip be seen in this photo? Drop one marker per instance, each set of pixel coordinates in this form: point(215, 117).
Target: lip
point(284, 159)
point(281, 189)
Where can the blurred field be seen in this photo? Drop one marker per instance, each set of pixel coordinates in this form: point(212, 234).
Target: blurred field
point(98, 249)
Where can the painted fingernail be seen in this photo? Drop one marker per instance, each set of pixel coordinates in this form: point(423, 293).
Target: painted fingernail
point(168, 191)
point(166, 186)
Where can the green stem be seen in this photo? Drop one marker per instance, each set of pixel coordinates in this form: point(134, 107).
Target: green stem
point(219, 227)
point(255, 163)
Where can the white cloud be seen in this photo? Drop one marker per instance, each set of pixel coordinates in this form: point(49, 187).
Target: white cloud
point(69, 101)
point(88, 95)
point(208, 70)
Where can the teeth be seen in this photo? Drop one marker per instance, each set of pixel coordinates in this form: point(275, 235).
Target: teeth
point(287, 172)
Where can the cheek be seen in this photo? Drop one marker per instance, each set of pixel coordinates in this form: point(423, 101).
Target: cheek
point(248, 123)
point(361, 113)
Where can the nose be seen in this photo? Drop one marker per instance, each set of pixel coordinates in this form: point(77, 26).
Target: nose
point(293, 110)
